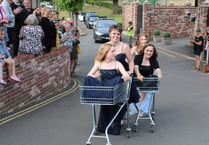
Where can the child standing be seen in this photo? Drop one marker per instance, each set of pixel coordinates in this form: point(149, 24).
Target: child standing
point(5, 57)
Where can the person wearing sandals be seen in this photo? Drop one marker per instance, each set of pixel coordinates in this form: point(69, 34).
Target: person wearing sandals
point(5, 57)
point(198, 48)
point(145, 65)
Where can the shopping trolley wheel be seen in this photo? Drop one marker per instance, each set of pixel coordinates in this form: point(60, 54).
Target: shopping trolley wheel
point(152, 128)
point(88, 143)
point(136, 127)
point(129, 132)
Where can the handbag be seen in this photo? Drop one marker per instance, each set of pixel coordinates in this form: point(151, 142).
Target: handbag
point(206, 68)
point(78, 49)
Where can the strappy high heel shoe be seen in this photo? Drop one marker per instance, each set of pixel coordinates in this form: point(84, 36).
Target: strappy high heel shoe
point(3, 82)
point(14, 78)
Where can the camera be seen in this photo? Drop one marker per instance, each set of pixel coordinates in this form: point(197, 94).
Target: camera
point(57, 20)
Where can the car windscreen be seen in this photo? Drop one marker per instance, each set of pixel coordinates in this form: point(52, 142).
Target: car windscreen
point(92, 18)
point(105, 24)
point(90, 14)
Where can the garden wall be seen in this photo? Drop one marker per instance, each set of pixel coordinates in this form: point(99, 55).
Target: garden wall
point(41, 77)
point(169, 18)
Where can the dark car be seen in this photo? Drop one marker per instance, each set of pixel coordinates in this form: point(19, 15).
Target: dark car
point(99, 17)
point(101, 31)
point(87, 14)
point(90, 21)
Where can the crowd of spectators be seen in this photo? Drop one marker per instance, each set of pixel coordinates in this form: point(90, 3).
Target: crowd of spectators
point(33, 31)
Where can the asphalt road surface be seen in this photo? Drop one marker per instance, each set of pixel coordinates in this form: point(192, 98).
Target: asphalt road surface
point(182, 114)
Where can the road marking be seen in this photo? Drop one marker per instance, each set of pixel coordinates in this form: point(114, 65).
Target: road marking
point(172, 53)
point(41, 104)
point(165, 53)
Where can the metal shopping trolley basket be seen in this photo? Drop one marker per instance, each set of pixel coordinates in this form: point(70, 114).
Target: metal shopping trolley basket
point(150, 85)
point(102, 95)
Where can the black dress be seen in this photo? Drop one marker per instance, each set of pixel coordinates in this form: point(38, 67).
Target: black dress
point(107, 112)
point(49, 29)
point(134, 95)
point(146, 71)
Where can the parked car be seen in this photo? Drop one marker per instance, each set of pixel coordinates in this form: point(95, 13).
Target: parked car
point(101, 31)
point(90, 21)
point(99, 17)
point(80, 16)
point(47, 4)
point(87, 14)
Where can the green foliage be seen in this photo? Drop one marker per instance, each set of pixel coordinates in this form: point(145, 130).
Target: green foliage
point(156, 33)
point(105, 4)
point(151, 1)
point(102, 11)
point(71, 5)
point(166, 34)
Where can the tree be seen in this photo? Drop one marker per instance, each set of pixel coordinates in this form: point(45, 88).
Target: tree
point(73, 6)
point(115, 6)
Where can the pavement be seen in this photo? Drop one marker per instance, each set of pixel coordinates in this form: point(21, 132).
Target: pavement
point(178, 46)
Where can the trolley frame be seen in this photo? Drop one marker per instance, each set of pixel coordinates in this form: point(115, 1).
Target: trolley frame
point(153, 88)
point(96, 95)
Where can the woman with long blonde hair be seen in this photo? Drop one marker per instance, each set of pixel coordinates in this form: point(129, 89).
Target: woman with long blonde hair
point(112, 73)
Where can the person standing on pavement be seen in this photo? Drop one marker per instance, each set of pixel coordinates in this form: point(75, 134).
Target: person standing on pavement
point(130, 33)
point(4, 21)
point(19, 22)
point(198, 48)
point(6, 4)
point(207, 45)
point(49, 29)
point(74, 53)
point(31, 37)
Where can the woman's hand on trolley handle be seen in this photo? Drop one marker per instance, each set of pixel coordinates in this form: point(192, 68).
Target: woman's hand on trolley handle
point(140, 77)
point(126, 78)
point(159, 73)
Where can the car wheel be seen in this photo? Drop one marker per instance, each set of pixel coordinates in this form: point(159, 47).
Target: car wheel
point(95, 39)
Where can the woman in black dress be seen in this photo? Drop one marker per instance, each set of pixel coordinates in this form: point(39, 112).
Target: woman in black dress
point(49, 29)
point(198, 48)
point(145, 65)
point(111, 73)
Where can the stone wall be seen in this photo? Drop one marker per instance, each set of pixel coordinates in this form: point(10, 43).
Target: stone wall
point(41, 77)
point(169, 18)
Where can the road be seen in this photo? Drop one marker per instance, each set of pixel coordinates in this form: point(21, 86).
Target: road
point(182, 114)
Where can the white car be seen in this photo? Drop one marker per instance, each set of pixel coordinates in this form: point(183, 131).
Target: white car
point(80, 16)
point(47, 4)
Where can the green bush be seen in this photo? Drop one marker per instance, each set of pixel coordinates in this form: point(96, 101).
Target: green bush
point(166, 34)
point(156, 33)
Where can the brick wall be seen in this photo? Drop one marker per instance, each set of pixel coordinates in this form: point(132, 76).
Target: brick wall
point(41, 76)
point(169, 18)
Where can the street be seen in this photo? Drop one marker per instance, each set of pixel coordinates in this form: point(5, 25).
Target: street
point(182, 114)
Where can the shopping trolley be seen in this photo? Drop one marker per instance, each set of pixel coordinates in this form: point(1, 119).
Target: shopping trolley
point(102, 95)
point(150, 85)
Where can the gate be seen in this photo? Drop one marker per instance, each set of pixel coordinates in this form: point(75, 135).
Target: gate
point(139, 18)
